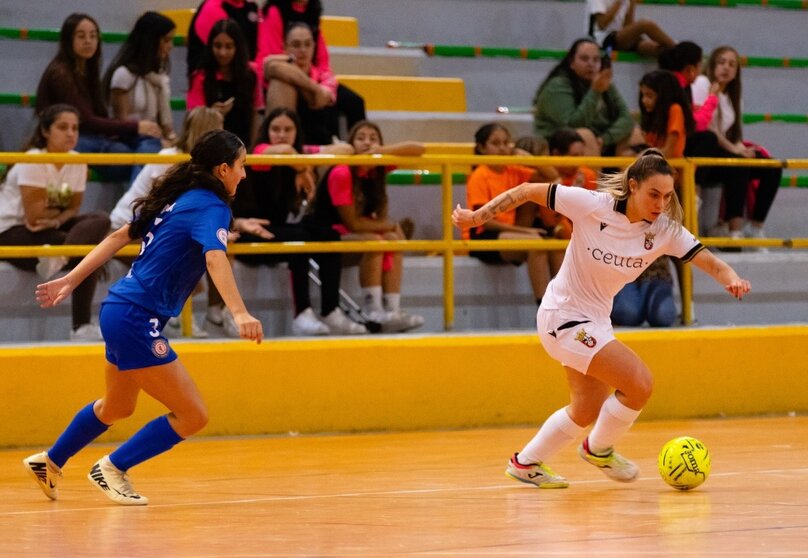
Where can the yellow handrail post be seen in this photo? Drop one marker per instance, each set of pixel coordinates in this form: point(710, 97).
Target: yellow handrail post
point(187, 317)
point(691, 222)
point(448, 254)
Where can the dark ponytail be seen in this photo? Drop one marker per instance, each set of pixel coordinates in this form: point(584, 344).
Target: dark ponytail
point(211, 150)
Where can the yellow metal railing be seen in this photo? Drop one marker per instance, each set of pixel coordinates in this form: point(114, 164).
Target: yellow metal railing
point(447, 246)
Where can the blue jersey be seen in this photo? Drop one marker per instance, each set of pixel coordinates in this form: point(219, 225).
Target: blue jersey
point(172, 254)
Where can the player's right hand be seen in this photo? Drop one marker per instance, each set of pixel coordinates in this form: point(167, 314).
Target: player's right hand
point(249, 327)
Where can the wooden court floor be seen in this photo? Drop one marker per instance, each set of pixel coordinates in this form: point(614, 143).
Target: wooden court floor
point(426, 493)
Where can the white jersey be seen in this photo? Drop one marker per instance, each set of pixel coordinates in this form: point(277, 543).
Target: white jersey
point(606, 251)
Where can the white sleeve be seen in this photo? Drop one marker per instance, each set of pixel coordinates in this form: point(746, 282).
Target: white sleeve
point(32, 174)
point(597, 6)
point(700, 90)
point(682, 244)
point(77, 177)
point(122, 78)
point(573, 202)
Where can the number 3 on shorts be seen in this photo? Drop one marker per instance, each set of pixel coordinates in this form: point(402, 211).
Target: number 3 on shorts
point(155, 324)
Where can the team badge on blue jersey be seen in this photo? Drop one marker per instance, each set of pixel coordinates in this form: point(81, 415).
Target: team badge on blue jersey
point(649, 240)
point(159, 348)
point(585, 338)
point(221, 234)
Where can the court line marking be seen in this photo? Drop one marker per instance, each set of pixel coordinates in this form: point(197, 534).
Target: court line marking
point(369, 494)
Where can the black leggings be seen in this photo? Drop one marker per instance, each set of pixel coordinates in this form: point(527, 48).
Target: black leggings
point(320, 126)
point(330, 263)
point(735, 179)
point(82, 229)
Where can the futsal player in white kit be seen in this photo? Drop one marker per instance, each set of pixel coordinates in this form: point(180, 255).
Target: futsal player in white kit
point(619, 230)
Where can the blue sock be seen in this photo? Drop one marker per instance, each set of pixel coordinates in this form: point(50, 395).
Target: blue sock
point(153, 439)
point(84, 428)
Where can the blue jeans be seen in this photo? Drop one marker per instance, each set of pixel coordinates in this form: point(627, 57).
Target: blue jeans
point(92, 143)
point(650, 301)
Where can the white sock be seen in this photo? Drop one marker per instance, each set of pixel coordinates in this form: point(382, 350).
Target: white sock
point(613, 421)
point(392, 302)
point(372, 298)
point(556, 433)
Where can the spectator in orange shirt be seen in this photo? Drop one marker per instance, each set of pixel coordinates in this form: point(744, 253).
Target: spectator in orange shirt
point(484, 184)
point(666, 119)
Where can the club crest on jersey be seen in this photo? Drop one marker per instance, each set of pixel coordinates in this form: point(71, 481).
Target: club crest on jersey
point(159, 348)
point(649, 240)
point(585, 338)
point(221, 234)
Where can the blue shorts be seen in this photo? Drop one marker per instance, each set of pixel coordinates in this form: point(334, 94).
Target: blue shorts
point(133, 336)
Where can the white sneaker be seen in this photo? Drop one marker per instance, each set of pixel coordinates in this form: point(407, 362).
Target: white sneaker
point(214, 315)
point(399, 321)
point(306, 323)
point(87, 333)
point(174, 329)
point(756, 232)
point(114, 483)
point(229, 324)
point(536, 473)
point(340, 324)
point(45, 472)
point(48, 267)
point(613, 465)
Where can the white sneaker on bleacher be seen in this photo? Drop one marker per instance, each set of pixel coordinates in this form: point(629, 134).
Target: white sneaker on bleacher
point(340, 324)
point(306, 323)
point(47, 267)
point(87, 333)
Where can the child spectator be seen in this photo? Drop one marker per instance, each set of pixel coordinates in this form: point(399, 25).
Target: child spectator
point(566, 142)
point(137, 83)
point(665, 116)
point(579, 93)
point(39, 204)
point(612, 25)
point(278, 16)
point(227, 81)
point(72, 78)
point(685, 61)
point(488, 181)
point(353, 201)
point(279, 196)
point(210, 12)
point(724, 69)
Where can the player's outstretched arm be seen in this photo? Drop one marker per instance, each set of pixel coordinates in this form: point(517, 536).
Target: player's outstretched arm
point(222, 274)
point(53, 292)
point(525, 192)
point(724, 275)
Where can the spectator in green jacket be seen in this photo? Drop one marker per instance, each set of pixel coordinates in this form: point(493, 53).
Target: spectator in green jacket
point(579, 93)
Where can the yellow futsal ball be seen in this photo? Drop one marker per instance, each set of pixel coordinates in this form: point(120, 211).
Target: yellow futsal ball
point(684, 463)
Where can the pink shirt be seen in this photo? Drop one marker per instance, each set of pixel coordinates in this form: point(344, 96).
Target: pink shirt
point(209, 14)
point(703, 114)
point(270, 41)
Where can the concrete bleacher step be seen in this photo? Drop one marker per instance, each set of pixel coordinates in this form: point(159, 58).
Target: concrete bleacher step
point(487, 297)
point(408, 93)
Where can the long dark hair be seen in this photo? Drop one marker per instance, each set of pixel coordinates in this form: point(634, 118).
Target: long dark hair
point(212, 149)
point(668, 92)
point(45, 120)
point(579, 86)
point(88, 80)
point(732, 89)
point(140, 53)
point(369, 191)
point(275, 190)
point(678, 57)
point(310, 16)
point(243, 76)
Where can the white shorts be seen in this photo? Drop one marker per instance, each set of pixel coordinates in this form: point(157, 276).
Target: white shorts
point(572, 340)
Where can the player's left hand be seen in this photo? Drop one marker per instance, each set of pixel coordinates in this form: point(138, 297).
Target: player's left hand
point(53, 292)
point(738, 288)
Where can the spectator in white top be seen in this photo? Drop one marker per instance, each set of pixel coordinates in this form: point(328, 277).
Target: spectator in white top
point(611, 23)
point(39, 204)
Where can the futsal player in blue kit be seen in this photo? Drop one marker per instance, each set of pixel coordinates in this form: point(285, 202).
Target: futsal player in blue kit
point(618, 232)
point(183, 224)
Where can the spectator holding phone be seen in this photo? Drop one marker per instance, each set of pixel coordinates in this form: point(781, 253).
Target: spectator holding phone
point(227, 81)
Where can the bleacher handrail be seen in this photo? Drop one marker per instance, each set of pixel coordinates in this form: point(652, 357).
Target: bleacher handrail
point(447, 246)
